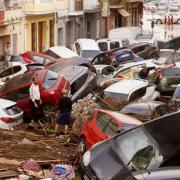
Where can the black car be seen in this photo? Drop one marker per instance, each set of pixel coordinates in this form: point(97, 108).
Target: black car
point(171, 44)
point(150, 146)
point(145, 50)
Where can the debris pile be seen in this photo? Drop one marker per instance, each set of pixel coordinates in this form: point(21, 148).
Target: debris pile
point(83, 110)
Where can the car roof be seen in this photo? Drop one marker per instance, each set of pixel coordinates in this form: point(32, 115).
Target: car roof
point(88, 44)
point(126, 86)
point(144, 105)
point(123, 118)
point(22, 79)
point(63, 51)
point(4, 103)
point(72, 72)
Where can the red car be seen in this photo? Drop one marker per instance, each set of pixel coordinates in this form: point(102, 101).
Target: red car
point(50, 84)
point(104, 125)
point(34, 57)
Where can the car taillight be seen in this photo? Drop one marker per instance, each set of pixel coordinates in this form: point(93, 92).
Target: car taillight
point(52, 92)
point(112, 57)
point(7, 120)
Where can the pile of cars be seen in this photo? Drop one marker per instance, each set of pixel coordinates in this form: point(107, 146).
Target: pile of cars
point(123, 138)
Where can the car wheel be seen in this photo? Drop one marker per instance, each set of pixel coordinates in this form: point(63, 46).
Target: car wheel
point(178, 21)
point(48, 109)
point(153, 56)
point(159, 21)
point(82, 145)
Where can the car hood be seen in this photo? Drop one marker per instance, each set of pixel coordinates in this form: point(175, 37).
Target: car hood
point(104, 153)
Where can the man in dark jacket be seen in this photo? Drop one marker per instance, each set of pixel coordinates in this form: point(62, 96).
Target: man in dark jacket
point(64, 115)
point(143, 74)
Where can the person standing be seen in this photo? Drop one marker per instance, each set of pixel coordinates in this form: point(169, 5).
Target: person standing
point(169, 22)
point(64, 115)
point(35, 100)
point(165, 21)
point(8, 54)
point(172, 22)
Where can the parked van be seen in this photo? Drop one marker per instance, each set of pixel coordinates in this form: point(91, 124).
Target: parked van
point(133, 34)
point(108, 44)
point(86, 48)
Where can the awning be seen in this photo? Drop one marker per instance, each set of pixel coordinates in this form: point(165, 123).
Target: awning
point(123, 12)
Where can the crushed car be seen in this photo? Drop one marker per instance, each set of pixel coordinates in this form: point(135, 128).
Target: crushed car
point(146, 111)
point(151, 146)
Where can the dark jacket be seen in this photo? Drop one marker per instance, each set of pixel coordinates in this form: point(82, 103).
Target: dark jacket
point(65, 105)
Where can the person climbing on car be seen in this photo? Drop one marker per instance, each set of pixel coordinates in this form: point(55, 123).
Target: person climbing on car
point(64, 115)
point(35, 100)
point(143, 74)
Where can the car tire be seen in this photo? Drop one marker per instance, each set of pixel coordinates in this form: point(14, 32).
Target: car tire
point(48, 109)
point(153, 56)
point(82, 145)
point(178, 21)
point(159, 21)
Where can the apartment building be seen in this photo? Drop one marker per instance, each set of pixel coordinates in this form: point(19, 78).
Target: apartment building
point(10, 25)
point(40, 19)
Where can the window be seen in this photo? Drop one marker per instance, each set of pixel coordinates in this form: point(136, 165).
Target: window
point(103, 46)
point(112, 128)
point(16, 69)
point(18, 94)
point(6, 72)
point(13, 110)
point(162, 110)
point(78, 83)
point(17, 59)
point(114, 45)
point(137, 94)
point(102, 121)
point(50, 80)
point(38, 59)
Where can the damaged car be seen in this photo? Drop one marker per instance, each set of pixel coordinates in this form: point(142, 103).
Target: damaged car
point(132, 89)
point(144, 150)
point(146, 111)
point(103, 125)
point(82, 80)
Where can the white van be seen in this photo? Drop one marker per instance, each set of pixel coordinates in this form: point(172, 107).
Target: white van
point(108, 44)
point(133, 34)
point(86, 48)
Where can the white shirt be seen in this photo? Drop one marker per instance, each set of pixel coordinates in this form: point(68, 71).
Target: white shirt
point(34, 92)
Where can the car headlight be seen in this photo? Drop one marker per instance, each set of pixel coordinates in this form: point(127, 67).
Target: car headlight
point(86, 158)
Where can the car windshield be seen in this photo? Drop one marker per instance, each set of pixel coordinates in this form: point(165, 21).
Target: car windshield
point(116, 95)
point(13, 110)
point(17, 59)
point(50, 80)
point(177, 93)
point(89, 53)
point(138, 150)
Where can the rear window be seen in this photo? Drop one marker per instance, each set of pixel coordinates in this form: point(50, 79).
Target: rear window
point(103, 46)
point(114, 45)
point(17, 59)
point(50, 80)
point(13, 110)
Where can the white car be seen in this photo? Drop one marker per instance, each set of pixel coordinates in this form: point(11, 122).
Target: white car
point(86, 48)
point(61, 52)
point(17, 69)
point(10, 114)
point(132, 89)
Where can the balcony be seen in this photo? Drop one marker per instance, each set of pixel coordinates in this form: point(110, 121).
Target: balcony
point(35, 7)
point(91, 6)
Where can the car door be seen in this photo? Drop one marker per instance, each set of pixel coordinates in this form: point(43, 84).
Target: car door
point(97, 132)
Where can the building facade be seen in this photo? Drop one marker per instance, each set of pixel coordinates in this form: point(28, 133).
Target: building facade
point(40, 19)
point(120, 13)
point(10, 25)
point(80, 20)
